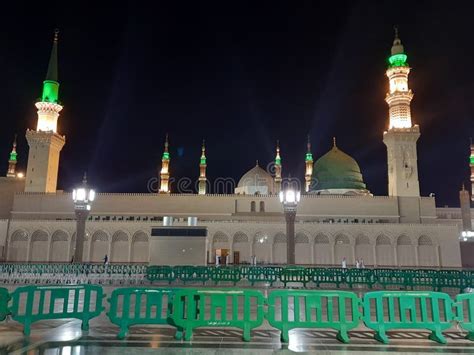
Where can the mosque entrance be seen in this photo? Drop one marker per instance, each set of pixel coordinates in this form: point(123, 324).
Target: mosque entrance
point(222, 254)
point(236, 257)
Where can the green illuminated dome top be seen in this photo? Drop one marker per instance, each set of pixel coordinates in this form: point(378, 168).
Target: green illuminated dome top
point(339, 174)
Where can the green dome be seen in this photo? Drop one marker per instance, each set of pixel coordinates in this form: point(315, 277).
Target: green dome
point(336, 170)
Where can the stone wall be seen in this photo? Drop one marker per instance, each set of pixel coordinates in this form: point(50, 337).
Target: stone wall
point(316, 243)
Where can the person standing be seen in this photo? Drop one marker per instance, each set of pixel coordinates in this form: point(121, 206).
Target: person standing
point(106, 260)
point(344, 263)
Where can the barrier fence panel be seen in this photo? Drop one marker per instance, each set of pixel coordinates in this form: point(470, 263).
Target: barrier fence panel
point(295, 274)
point(262, 274)
point(408, 310)
point(132, 306)
point(448, 279)
point(289, 309)
point(393, 277)
point(364, 277)
point(467, 279)
point(4, 298)
point(189, 273)
point(334, 276)
point(424, 278)
point(225, 274)
point(465, 313)
point(193, 308)
point(34, 303)
point(160, 273)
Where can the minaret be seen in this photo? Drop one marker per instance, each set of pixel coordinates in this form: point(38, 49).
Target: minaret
point(465, 204)
point(402, 135)
point(45, 142)
point(12, 161)
point(277, 169)
point(202, 170)
point(164, 173)
point(309, 166)
point(471, 163)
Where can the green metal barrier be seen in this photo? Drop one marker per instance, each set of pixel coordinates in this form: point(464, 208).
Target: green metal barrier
point(364, 277)
point(193, 308)
point(394, 277)
point(448, 279)
point(295, 274)
point(132, 306)
point(225, 274)
point(408, 310)
point(333, 276)
point(160, 273)
point(189, 273)
point(289, 309)
point(467, 279)
point(465, 302)
point(35, 303)
point(4, 298)
point(263, 274)
point(424, 278)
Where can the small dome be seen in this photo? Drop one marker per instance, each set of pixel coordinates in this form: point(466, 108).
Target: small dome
point(338, 173)
point(255, 181)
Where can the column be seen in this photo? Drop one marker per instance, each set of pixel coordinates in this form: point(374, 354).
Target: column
point(290, 237)
point(81, 217)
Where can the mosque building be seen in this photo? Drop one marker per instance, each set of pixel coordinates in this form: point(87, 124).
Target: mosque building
point(338, 217)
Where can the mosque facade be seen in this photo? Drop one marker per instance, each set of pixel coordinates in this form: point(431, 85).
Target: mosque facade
point(338, 217)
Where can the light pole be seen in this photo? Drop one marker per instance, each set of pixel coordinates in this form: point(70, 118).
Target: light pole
point(82, 196)
point(290, 198)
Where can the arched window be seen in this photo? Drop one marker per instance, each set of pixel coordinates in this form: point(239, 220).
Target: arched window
point(262, 206)
point(252, 206)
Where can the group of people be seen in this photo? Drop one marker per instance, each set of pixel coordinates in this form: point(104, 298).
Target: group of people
point(359, 263)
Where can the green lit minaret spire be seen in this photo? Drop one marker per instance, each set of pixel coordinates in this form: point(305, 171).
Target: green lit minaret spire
point(309, 166)
point(398, 58)
point(12, 160)
point(202, 170)
point(277, 179)
point(51, 83)
point(164, 172)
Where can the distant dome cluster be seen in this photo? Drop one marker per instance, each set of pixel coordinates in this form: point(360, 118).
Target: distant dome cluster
point(335, 173)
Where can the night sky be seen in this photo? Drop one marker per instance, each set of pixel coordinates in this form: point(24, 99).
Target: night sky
point(241, 77)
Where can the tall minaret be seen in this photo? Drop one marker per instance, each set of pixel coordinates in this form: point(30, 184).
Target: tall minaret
point(12, 161)
point(402, 135)
point(277, 169)
point(164, 173)
point(471, 163)
point(45, 142)
point(202, 170)
point(309, 166)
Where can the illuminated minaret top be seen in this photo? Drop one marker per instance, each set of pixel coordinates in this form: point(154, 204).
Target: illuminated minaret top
point(48, 106)
point(202, 170)
point(399, 96)
point(277, 168)
point(309, 166)
point(12, 161)
point(164, 173)
point(402, 134)
point(471, 163)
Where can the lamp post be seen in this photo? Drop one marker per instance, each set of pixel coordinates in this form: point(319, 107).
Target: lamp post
point(289, 199)
point(82, 196)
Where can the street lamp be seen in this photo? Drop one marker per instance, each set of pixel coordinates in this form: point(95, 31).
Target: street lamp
point(290, 198)
point(82, 196)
